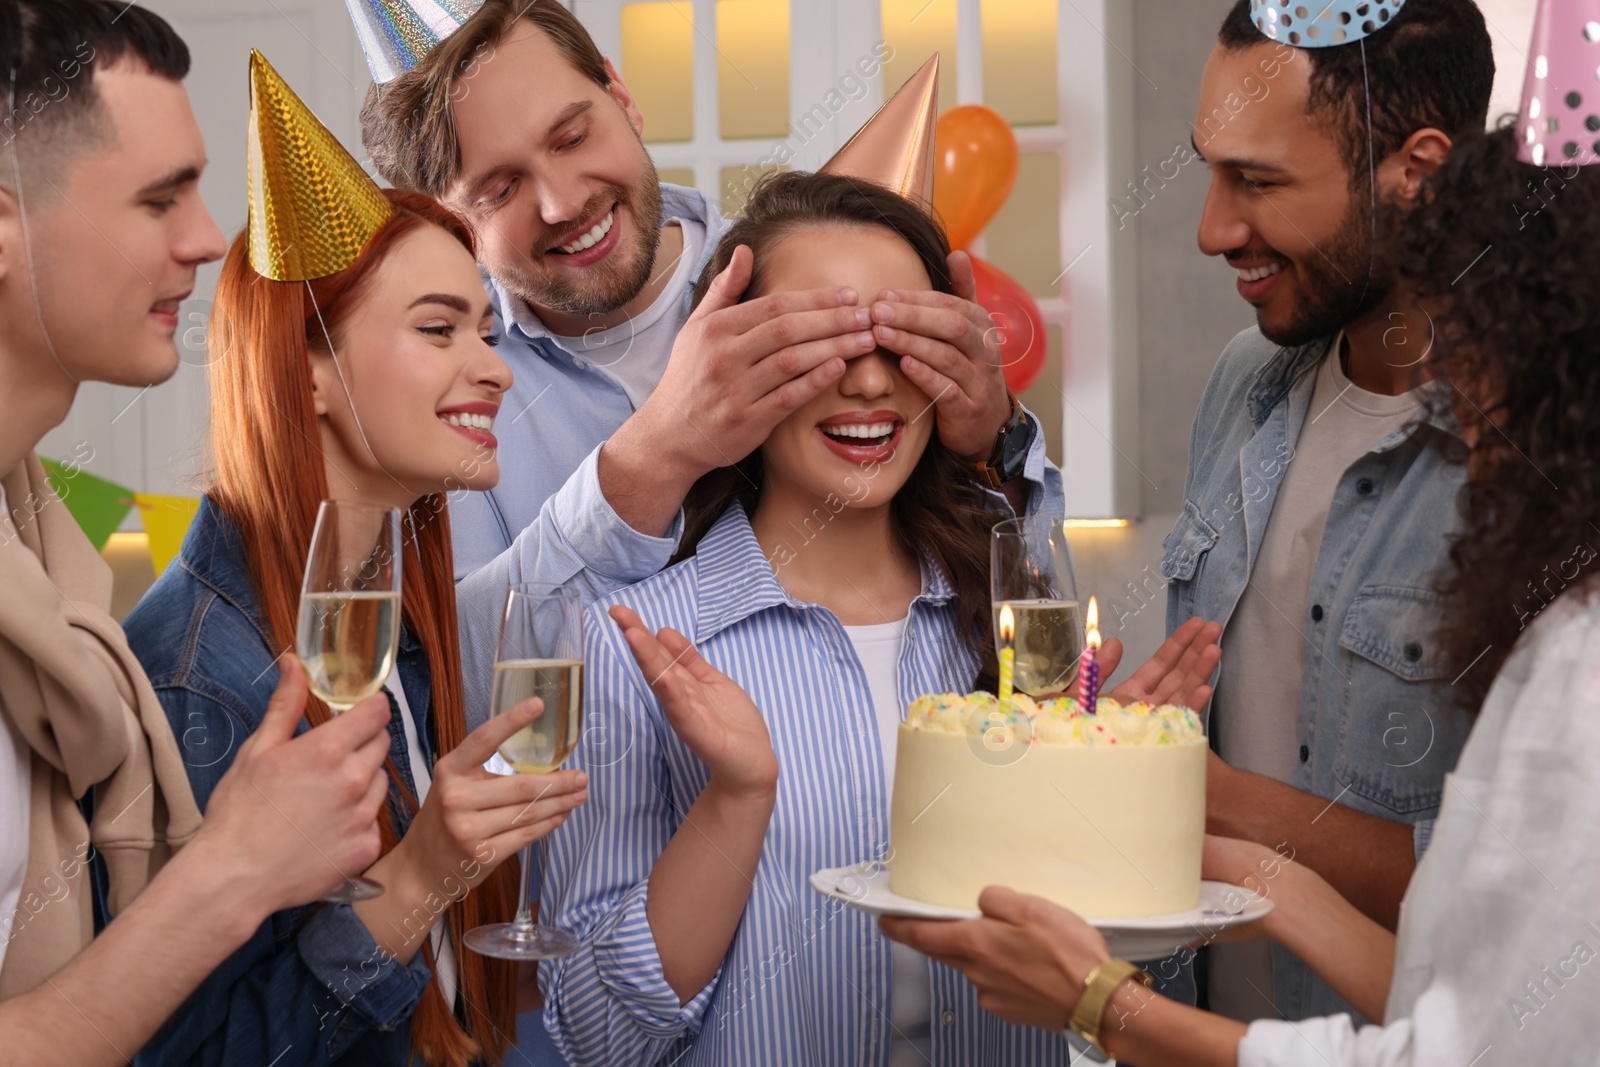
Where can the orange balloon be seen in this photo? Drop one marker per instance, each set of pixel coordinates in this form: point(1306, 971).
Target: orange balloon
point(977, 166)
point(1020, 328)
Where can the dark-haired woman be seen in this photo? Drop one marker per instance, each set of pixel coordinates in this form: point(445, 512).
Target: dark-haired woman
point(835, 574)
point(1499, 936)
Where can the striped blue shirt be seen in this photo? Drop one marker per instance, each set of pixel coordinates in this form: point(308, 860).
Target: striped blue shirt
point(806, 980)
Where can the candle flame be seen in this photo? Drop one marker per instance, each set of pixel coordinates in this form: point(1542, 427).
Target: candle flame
point(1093, 632)
point(1008, 623)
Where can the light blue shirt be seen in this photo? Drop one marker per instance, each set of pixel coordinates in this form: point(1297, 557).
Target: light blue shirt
point(806, 979)
point(547, 520)
point(1374, 732)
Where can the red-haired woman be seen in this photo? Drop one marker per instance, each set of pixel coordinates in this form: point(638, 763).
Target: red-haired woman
point(400, 416)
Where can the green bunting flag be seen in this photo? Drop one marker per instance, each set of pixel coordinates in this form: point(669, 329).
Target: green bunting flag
point(98, 505)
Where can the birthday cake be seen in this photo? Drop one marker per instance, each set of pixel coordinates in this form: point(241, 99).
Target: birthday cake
point(1101, 813)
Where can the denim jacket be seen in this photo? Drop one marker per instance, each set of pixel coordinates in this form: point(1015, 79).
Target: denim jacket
point(1374, 734)
point(310, 987)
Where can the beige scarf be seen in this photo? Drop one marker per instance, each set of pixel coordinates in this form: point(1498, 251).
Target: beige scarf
point(81, 702)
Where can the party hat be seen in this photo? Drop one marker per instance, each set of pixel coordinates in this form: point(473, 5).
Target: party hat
point(1322, 23)
point(312, 207)
point(1560, 117)
point(895, 147)
point(396, 34)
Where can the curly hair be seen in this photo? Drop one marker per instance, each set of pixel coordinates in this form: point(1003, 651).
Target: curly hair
point(1500, 253)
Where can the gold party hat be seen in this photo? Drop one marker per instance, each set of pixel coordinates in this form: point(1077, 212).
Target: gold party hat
point(312, 207)
point(895, 147)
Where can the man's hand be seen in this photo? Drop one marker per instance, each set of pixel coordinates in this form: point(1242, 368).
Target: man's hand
point(737, 370)
point(950, 351)
point(1179, 672)
point(706, 708)
point(295, 816)
point(1027, 957)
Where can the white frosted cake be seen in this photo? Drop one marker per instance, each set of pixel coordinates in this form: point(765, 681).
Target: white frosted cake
point(1103, 814)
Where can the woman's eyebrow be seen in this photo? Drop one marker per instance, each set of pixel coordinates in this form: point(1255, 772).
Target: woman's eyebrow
point(447, 299)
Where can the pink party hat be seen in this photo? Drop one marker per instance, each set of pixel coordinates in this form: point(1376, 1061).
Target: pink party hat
point(1322, 23)
point(1560, 117)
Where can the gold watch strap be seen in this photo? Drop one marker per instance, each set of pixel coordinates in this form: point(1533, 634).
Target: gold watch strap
point(1097, 989)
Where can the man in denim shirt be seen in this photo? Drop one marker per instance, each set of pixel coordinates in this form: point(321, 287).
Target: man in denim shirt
point(1320, 496)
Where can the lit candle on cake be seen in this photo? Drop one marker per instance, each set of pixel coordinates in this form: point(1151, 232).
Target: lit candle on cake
point(1008, 651)
point(1089, 666)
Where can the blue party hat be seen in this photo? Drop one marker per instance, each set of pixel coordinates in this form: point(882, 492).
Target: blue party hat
point(1322, 23)
point(396, 34)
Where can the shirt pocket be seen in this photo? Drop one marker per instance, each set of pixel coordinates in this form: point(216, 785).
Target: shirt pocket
point(1186, 546)
point(1396, 744)
point(1184, 552)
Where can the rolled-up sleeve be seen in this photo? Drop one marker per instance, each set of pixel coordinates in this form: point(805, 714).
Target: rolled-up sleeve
point(373, 985)
point(609, 1003)
point(577, 538)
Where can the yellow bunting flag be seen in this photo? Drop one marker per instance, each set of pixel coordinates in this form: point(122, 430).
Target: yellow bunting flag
point(166, 520)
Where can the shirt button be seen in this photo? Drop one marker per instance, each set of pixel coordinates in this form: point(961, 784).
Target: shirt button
point(1316, 613)
point(1305, 753)
point(1413, 652)
point(947, 1017)
point(1364, 486)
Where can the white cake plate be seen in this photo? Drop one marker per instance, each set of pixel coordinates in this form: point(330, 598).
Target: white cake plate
point(866, 886)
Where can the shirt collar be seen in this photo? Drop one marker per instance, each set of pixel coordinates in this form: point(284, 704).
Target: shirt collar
point(735, 579)
point(1275, 380)
point(677, 202)
point(1284, 370)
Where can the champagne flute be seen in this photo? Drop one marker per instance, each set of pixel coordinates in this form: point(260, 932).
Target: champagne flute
point(540, 655)
point(1031, 572)
point(350, 617)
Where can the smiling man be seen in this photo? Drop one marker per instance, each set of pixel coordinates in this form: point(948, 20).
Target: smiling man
point(101, 233)
point(1320, 495)
point(622, 399)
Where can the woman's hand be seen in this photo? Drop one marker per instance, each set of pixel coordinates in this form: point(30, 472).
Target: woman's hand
point(1027, 957)
point(1257, 868)
point(706, 708)
point(473, 820)
point(1179, 672)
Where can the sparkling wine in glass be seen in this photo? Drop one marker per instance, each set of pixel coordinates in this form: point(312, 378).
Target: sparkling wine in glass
point(1031, 571)
point(540, 655)
point(350, 616)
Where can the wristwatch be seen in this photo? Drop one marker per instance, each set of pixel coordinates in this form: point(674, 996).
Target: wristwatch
point(1011, 446)
point(1097, 989)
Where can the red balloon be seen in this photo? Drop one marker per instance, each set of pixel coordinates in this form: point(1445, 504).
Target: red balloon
point(1019, 327)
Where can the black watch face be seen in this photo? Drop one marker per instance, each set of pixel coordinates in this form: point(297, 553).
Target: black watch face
point(1014, 453)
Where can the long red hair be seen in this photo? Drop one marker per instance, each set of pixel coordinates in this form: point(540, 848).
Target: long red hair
point(269, 478)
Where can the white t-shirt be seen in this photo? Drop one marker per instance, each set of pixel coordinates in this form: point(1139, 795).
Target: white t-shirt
point(444, 956)
point(635, 353)
point(1263, 659)
point(911, 988)
point(15, 783)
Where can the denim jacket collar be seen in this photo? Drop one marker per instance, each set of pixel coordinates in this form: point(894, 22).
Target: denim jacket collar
point(1276, 382)
point(736, 579)
point(213, 552)
point(677, 202)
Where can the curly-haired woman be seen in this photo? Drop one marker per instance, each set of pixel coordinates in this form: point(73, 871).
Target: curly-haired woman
point(1500, 929)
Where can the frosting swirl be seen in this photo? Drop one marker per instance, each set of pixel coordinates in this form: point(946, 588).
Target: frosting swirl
point(1058, 721)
